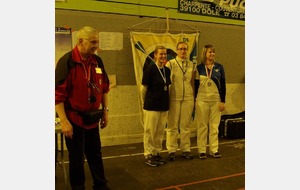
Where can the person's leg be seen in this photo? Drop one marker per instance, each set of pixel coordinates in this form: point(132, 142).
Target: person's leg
point(160, 131)
point(202, 112)
point(172, 126)
point(159, 136)
point(150, 122)
point(76, 158)
point(185, 125)
point(214, 121)
point(94, 157)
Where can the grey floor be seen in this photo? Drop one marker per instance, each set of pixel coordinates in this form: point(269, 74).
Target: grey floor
point(125, 169)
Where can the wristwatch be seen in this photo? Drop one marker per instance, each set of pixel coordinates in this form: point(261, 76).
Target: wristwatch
point(106, 108)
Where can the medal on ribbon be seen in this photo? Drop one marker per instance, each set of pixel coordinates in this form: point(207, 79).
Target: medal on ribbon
point(209, 75)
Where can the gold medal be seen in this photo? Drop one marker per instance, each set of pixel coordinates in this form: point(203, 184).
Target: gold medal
point(165, 88)
point(208, 83)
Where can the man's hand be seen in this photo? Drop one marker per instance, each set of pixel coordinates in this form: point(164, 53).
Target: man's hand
point(67, 128)
point(104, 120)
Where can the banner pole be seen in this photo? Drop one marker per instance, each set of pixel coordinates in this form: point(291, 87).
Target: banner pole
point(167, 18)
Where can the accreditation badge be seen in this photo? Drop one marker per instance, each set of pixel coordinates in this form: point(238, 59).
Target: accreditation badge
point(98, 70)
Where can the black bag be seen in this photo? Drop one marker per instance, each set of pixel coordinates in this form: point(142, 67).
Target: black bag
point(222, 128)
point(235, 128)
point(91, 117)
point(240, 115)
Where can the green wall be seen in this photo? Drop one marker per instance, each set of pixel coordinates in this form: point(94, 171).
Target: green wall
point(107, 16)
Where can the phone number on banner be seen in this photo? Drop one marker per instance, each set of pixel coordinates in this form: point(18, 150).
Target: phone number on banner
point(231, 9)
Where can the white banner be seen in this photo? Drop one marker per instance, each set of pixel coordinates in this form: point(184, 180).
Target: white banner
point(143, 45)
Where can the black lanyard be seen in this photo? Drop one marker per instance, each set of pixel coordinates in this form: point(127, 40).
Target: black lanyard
point(181, 67)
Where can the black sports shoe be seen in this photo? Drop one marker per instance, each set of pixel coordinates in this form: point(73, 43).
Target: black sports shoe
point(160, 159)
point(151, 161)
point(172, 156)
point(187, 155)
point(202, 156)
point(216, 155)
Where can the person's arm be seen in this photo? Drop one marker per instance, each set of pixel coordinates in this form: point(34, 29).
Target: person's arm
point(61, 76)
point(66, 127)
point(193, 82)
point(223, 89)
point(104, 120)
point(143, 93)
point(196, 83)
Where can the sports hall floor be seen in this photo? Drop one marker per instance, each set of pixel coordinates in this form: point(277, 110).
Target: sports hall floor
point(125, 169)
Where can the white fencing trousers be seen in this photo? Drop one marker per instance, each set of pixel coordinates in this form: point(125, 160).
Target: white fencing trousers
point(208, 116)
point(154, 128)
point(179, 117)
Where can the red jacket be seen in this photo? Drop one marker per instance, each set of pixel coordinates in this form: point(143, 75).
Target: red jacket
point(72, 76)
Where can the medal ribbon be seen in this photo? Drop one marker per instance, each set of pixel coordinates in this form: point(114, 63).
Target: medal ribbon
point(181, 67)
point(162, 75)
point(87, 73)
point(208, 75)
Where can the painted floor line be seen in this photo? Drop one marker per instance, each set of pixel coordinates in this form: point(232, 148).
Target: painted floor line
point(139, 154)
point(177, 187)
point(194, 147)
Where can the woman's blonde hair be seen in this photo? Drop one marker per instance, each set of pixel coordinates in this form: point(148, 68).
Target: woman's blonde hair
point(157, 48)
point(204, 51)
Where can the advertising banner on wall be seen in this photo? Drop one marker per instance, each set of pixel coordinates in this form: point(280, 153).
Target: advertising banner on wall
point(143, 45)
point(230, 9)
